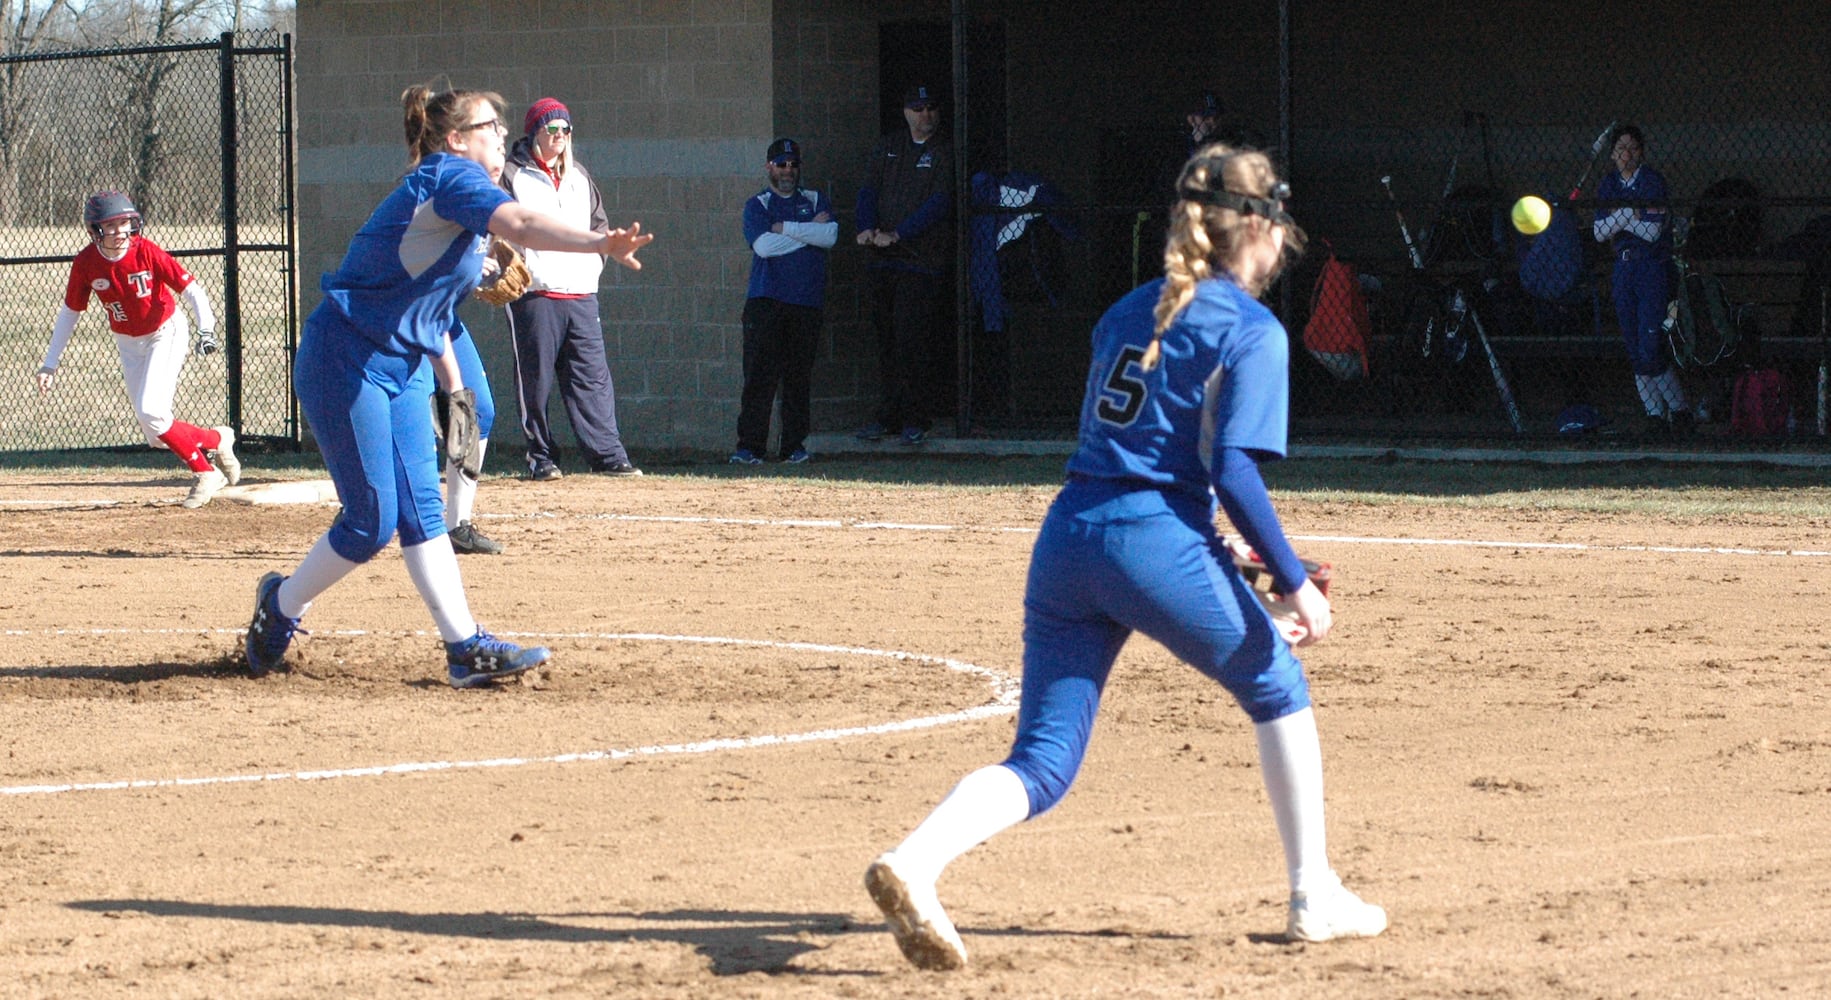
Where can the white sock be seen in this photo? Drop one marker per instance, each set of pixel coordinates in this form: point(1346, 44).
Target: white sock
point(983, 803)
point(1649, 396)
point(460, 491)
point(434, 569)
point(1671, 391)
point(1290, 754)
point(321, 568)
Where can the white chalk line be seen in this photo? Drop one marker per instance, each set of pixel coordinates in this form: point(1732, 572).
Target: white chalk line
point(1334, 539)
point(1714, 550)
point(1004, 687)
point(844, 525)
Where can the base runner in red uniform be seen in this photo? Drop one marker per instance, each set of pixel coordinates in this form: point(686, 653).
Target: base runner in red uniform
point(134, 278)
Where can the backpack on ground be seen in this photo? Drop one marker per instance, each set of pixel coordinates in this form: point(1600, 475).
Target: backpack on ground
point(1758, 407)
point(1339, 326)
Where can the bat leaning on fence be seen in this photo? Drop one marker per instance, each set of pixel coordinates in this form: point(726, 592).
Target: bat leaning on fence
point(1595, 150)
point(1824, 360)
point(1501, 385)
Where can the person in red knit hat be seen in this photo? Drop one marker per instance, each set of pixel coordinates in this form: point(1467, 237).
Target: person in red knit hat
point(556, 328)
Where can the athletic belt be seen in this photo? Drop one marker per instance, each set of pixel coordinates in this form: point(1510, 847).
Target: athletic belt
point(1636, 253)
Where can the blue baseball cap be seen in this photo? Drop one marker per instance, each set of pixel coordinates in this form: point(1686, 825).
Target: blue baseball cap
point(920, 93)
point(783, 150)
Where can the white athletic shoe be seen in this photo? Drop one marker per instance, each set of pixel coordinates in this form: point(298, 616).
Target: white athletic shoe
point(203, 487)
point(1333, 913)
point(921, 927)
point(225, 455)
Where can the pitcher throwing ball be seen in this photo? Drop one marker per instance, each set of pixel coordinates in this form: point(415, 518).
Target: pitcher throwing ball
point(134, 280)
point(369, 355)
point(1186, 395)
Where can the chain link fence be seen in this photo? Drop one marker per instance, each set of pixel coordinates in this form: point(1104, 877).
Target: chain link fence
point(1421, 310)
point(200, 136)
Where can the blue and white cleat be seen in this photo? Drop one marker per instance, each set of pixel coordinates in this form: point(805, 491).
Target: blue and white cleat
point(269, 632)
point(483, 659)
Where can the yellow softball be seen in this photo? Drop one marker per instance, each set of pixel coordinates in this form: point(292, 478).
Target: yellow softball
point(1531, 215)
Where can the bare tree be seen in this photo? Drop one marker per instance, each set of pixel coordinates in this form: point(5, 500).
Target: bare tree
point(25, 28)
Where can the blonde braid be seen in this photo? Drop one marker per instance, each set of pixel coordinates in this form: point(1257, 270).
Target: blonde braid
point(1185, 264)
point(1202, 234)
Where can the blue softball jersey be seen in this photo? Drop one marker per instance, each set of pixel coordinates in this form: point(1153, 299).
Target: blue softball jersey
point(1646, 191)
point(1221, 382)
point(418, 256)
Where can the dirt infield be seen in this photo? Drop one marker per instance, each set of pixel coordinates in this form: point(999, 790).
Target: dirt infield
point(1600, 769)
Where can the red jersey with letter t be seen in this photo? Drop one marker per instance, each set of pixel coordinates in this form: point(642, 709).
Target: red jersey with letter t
point(135, 291)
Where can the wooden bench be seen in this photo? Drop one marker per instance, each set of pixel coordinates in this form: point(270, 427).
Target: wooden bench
point(1774, 289)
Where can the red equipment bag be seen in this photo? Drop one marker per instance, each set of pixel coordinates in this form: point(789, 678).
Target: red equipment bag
point(1339, 327)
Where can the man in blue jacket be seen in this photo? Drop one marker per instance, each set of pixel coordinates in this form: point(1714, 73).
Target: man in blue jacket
point(789, 231)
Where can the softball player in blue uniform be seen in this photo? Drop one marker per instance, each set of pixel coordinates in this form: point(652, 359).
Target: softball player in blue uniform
point(460, 489)
point(1187, 392)
point(368, 358)
point(1631, 217)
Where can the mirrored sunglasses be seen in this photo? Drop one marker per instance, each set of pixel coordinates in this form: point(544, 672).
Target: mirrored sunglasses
point(555, 128)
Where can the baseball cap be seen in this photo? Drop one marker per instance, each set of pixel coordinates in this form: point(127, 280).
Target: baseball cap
point(784, 149)
point(1580, 418)
point(920, 93)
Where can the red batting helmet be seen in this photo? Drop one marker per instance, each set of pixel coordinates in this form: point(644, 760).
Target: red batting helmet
point(106, 206)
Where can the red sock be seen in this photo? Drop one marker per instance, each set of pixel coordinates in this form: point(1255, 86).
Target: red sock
point(188, 443)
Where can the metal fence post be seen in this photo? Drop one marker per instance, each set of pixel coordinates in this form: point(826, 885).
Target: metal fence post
point(232, 291)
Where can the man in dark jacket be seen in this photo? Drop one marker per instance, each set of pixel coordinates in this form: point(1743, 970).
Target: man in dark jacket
point(905, 222)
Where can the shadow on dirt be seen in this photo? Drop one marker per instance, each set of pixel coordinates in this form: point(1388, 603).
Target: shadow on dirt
point(736, 942)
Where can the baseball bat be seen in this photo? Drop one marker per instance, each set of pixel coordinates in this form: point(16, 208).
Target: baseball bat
point(1595, 150)
point(1449, 184)
point(1501, 384)
point(1824, 362)
point(1417, 259)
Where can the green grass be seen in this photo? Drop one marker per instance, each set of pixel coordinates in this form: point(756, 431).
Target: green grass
point(1645, 488)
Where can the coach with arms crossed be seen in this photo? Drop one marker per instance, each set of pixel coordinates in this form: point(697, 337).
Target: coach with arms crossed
point(555, 327)
point(789, 231)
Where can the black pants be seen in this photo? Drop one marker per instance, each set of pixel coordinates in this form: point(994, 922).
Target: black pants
point(903, 307)
point(779, 345)
point(561, 341)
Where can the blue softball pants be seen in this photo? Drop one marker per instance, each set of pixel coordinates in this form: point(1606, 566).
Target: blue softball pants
point(470, 366)
point(1109, 562)
point(1640, 290)
point(369, 410)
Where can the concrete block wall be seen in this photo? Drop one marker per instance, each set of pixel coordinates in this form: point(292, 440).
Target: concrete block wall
point(673, 105)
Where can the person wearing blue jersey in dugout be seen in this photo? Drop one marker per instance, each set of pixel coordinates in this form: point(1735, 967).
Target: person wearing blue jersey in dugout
point(903, 210)
point(367, 360)
point(1632, 217)
point(789, 230)
point(1186, 394)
